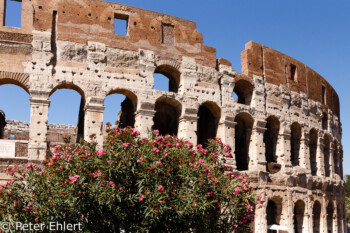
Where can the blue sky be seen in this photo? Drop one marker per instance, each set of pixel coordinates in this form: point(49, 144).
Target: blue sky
point(316, 32)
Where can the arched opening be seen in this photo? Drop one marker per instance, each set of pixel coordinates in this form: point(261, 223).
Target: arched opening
point(326, 154)
point(243, 131)
point(324, 121)
point(15, 116)
point(270, 140)
point(330, 212)
point(166, 78)
point(275, 214)
point(340, 218)
point(316, 217)
point(336, 157)
point(299, 210)
point(166, 118)
point(295, 143)
point(313, 151)
point(2, 124)
point(208, 119)
point(244, 92)
point(66, 118)
point(120, 107)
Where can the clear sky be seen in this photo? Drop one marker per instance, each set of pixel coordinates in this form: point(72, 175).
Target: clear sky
point(315, 32)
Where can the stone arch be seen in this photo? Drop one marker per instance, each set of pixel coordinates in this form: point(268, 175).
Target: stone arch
point(295, 143)
point(316, 217)
point(299, 216)
point(126, 116)
point(166, 118)
point(324, 121)
point(171, 70)
point(209, 114)
point(244, 91)
point(313, 151)
point(275, 213)
point(336, 158)
point(19, 79)
point(326, 154)
point(243, 130)
point(81, 118)
point(330, 213)
point(270, 139)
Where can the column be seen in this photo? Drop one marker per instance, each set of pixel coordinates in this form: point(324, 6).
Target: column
point(144, 121)
point(188, 127)
point(226, 131)
point(257, 147)
point(2, 12)
point(304, 154)
point(320, 157)
point(37, 145)
point(93, 121)
point(283, 150)
point(331, 161)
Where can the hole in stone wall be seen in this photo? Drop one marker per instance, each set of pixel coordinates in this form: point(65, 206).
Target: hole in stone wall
point(336, 158)
point(168, 34)
point(166, 118)
point(273, 212)
point(208, 120)
point(293, 72)
point(295, 143)
point(12, 137)
point(316, 217)
point(323, 95)
point(270, 140)
point(65, 118)
point(326, 151)
point(313, 150)
point(324, 121)
point(13, 13)
point(244, 92)
point(243, 131)
point(121, 24)
point(299, 209)
point(166, 78)
point(330, 210)
point(14, 111)
point(121, 108)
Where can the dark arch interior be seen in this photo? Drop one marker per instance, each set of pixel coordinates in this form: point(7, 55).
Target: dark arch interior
point(295, 143)
point(273, 212)
point(166, 119)
point(313, 151)
point(208, 119)
point(299, 209)
point(242, 139)
point(336, 158)
point(325, 121)
point(270, 140)
point(330, 210)
point(172, 74)
point(316, 217)
point(244, 91)
point(326, 152)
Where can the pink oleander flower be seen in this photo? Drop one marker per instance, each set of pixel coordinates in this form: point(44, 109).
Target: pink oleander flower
point(15, 202)
point(141, 198)
point(191, 164)
point(120, 189)
point(10, 182)
point(82, 216)
point(94, 175)
point(236, 191)
point(100, 152)
point(155, 150)
point(259, 197)
point(156, 131)
point(74, 179)
point(30, 208)
point(110, 162)
point(126, 145)
point(201, 161)
point(57, 147)
point(111, 183)
point(9, 191)
point(29, 165)
point(159, 163)
point(160, 188)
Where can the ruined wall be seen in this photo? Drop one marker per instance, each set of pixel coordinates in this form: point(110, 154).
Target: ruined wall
point(284, 126)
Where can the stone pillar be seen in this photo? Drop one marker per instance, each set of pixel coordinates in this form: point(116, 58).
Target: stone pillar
point(304, 153)
point(260, 216)
point(258, 99)
point(226, 131)
point(188, 126)
point(290, 210)
point(144, 119)
point(2, 12)
point(320, 157)
point(257, 147)
point(283, 150)
point(147, 66)
point(93, 120)
point(188, 77)
point(323, 219)
point(37, 145)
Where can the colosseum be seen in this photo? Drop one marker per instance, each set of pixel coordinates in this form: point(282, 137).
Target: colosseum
point(284, 126)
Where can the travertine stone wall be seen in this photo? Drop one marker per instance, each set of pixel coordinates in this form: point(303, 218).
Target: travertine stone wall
point(284, 127)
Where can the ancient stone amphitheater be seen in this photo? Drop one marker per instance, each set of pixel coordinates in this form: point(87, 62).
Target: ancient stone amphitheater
point(284, 125)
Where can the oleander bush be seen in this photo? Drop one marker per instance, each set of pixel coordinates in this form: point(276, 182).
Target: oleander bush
point(159, 184)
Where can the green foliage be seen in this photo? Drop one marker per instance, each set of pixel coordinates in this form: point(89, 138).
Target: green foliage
point(160, 184)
